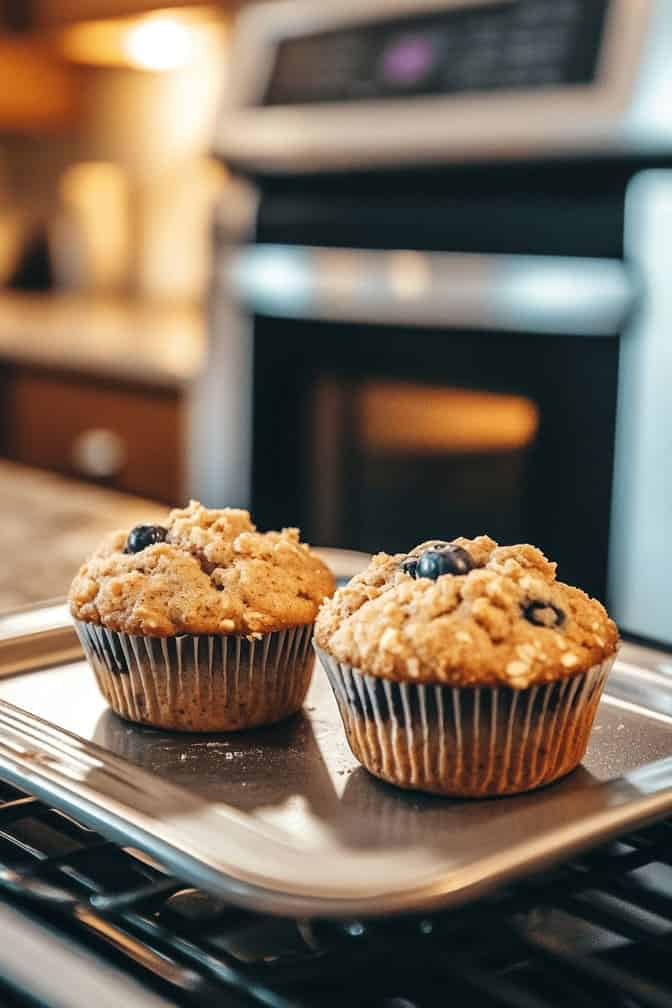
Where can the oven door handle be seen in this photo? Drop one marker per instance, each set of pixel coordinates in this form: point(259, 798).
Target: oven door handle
point(518, 293)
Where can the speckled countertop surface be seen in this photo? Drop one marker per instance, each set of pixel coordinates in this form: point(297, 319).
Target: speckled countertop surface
point(147, 342)
point(49, 525)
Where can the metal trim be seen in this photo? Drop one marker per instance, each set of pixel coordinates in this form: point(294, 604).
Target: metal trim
point(57, 972)
point(49, 630)
point(220, 400)
point(640, 555)
point(535, 294)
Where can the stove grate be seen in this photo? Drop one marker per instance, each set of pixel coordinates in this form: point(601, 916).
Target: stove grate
point(594, 931)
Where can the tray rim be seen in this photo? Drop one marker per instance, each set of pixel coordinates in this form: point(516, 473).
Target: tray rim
point(51, 762)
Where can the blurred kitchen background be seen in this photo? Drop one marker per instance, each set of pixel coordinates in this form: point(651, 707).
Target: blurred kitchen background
point(107, 192)
point(388, 273)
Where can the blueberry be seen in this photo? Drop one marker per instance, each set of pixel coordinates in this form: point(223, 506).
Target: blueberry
point(543, 614)
point(144, 535)
point(444, 560)
point(410, 566)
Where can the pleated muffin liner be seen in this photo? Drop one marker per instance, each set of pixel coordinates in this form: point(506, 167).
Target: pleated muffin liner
point(466, 741)
point(200, 682)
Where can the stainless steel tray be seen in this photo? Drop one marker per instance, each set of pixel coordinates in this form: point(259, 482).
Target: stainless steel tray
point(283, 819)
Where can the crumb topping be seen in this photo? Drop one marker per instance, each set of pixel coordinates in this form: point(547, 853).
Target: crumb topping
point(213, 573)
point(506, 620)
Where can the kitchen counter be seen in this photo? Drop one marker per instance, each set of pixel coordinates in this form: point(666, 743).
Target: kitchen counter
point(155, 344)
point(49, 525)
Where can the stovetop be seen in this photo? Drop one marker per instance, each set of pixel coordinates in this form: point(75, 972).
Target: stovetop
point(82, 918)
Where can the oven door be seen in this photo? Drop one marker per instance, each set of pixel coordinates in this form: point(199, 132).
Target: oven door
point(401, 396)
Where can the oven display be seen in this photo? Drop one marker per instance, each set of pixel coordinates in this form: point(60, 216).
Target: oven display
point(515, 44)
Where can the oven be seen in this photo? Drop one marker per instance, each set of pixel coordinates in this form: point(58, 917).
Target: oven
point(429, 391)
point(447, 311)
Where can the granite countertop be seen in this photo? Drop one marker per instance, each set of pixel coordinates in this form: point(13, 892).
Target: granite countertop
point(49, 525)
point(143, 342)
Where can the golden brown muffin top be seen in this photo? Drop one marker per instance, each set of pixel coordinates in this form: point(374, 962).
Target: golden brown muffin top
point(503, 620)
point(213, 573)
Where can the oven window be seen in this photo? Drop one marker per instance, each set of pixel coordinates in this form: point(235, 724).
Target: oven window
point(405, 419)
point(411, 458)
point(378, 439)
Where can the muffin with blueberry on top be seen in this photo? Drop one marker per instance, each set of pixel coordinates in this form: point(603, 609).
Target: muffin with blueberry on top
point(465, 668)
point(202, 624)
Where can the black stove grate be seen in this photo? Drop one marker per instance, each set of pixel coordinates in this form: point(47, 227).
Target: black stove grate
point(596, 931)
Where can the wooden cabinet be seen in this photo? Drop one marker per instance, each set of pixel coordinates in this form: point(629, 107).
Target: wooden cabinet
point(38, 91)
point(117, 434)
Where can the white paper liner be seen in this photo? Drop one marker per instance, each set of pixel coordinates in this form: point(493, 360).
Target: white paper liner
point(466, 741)
point(200, 682)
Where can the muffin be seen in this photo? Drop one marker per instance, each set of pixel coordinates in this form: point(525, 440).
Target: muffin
point(201, 624)
point(465, 668)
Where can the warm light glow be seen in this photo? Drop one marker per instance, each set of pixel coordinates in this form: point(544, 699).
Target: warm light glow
point(160, 43)
point(398, 417)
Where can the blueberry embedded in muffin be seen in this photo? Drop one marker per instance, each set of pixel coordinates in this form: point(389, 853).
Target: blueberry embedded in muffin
point(436, 561)
point(544, 614)
point(142, 536)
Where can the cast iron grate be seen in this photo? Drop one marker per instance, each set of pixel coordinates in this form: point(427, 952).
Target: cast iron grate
point(596, 931)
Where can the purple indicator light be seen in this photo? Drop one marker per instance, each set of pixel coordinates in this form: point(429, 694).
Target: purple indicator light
point(408, 59)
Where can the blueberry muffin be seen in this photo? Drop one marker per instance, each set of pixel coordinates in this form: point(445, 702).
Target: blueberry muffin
point(201, 624)
point(465, 668)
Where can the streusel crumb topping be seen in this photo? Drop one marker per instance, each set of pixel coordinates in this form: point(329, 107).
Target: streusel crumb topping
point(465, 612)
point(204, 572)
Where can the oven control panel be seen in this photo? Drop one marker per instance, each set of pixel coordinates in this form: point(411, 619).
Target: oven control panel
point(516, 44)
point(347, 85)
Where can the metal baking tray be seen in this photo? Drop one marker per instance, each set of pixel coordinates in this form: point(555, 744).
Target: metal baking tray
point(283, 819)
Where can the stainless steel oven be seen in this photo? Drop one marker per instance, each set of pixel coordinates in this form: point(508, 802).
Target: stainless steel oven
point(449, 310)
